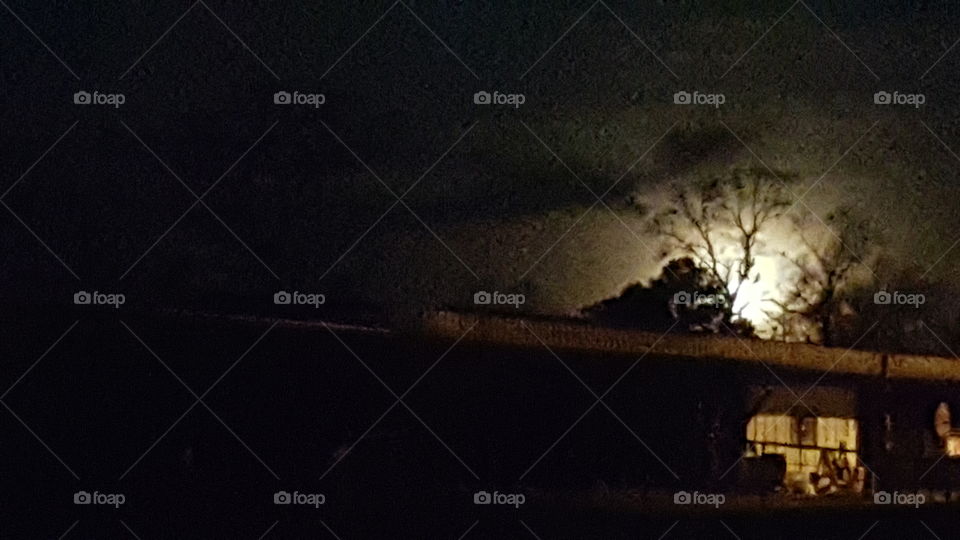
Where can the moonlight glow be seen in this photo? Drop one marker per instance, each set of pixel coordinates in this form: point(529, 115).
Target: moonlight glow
point(754, 298)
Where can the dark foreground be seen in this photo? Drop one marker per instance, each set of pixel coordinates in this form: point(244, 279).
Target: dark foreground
point(199, 424)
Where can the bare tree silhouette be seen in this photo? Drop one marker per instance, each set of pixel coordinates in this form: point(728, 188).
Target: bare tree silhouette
point(719, 224)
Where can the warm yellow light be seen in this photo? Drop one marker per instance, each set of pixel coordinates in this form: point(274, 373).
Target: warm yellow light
point(755, 294)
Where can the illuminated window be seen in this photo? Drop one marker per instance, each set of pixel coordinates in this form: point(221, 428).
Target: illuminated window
point(952, 444)
point(802, 441)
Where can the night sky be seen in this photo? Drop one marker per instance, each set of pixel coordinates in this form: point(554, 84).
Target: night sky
point(497, 208)
point(403, 157)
